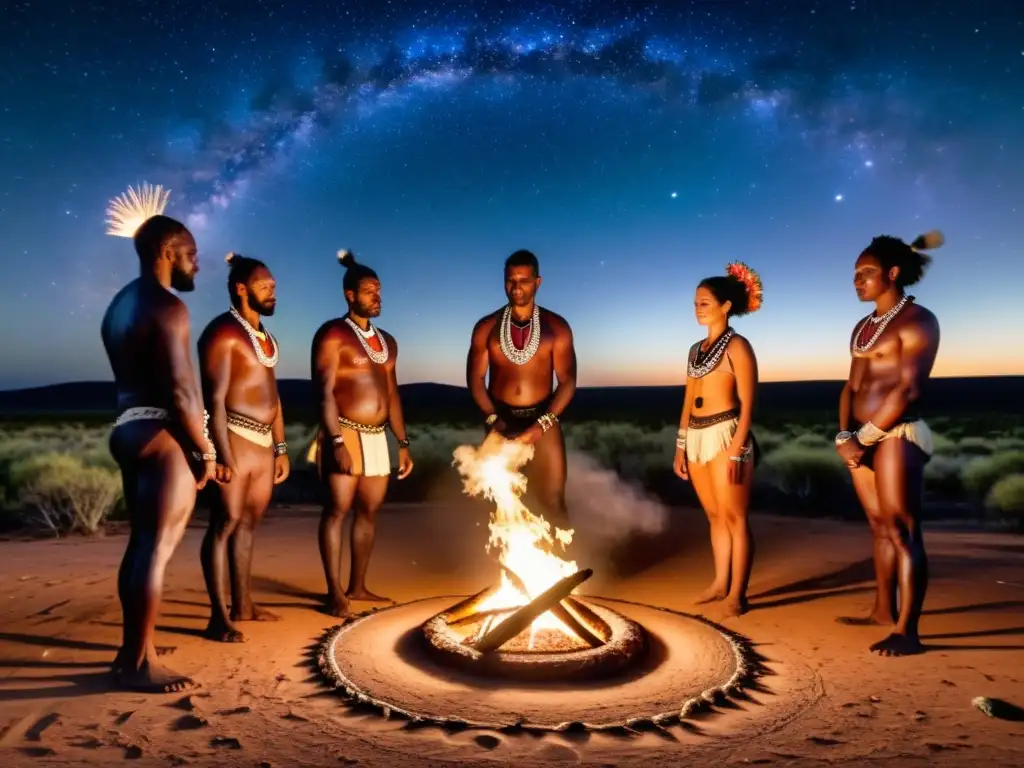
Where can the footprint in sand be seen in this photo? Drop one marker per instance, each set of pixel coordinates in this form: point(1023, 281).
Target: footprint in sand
point(189, 723)
point(821, 741)
point(35, 733)
point(235, 711)
point(487, 741)
point(37, 751)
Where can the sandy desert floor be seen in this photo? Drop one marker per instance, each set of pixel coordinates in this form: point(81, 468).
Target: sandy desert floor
point(827, 701)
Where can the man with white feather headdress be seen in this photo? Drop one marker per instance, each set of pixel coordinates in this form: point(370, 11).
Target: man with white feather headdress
point(160, 440)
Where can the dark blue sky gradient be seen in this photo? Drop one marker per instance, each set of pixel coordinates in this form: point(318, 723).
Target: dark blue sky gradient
point(635, 149)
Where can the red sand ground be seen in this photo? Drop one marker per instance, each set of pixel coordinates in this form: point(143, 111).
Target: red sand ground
point(831, 701)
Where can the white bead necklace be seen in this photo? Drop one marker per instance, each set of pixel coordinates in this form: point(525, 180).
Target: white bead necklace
point(882, 321)
point(515, 355)
point(378, 357)
point(704, 363)
point(254, 337)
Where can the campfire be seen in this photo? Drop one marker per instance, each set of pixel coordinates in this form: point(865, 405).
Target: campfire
point(529, 615)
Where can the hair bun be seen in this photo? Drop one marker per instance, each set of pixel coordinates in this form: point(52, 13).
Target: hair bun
point(929, 241)
point(230, 258)
point(346, 259)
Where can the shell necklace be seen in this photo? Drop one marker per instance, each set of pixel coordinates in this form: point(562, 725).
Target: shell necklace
point(856, 347)
point(704, 363)
point(254, 337)
point(378, 357)
point(515, 355)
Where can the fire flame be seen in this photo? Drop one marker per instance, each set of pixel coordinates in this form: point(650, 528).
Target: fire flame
point(523, 540)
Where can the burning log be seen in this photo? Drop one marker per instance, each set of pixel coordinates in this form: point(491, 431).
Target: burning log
point(575, 619)
point(525, 616)
point(589, 617)
point(470, 618)
point(468, 606)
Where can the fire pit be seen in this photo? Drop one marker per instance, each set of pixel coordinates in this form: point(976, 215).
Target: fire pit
point(591, 641)
point(527, 652)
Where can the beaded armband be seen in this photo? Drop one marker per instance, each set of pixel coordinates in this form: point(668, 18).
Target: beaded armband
point(547, 421)
point(280, 449)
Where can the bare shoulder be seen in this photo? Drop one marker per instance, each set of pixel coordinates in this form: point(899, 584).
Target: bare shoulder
point(329, 332)
point(740, 344)
point(922, 317)
point(221, 330)
point(392, 342)
point(558, 324)
point(486, 324)
point(169, 310)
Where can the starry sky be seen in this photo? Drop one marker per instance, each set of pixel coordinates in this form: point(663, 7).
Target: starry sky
point(634, 147)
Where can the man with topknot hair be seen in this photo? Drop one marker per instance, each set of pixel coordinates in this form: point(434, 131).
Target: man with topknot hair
point(883, 437)
point(237, 356)
point(355, 381)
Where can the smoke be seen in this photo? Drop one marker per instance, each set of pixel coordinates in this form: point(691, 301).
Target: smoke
point(606, 506)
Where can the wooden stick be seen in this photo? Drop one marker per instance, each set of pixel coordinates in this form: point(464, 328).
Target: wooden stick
point(470, 618)
point(468, 606)
point(562, 613)
point(590, 618)
point(524, 616)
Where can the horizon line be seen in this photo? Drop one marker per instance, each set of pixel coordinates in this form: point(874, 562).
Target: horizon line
point(589, 386)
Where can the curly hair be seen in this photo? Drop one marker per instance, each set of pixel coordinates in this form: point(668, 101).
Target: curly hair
point(912, 263)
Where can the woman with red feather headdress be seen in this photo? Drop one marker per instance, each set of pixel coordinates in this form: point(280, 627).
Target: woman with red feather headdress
point(715, 448)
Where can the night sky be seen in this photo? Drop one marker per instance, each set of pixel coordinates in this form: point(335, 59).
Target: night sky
point(635, 148)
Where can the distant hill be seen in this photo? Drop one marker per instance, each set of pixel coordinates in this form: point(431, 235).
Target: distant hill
point(435, 403)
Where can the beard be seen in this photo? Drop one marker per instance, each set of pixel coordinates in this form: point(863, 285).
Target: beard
point(264, 310)
point(366, 310)
point(183, 282)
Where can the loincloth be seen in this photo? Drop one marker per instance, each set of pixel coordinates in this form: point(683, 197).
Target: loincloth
point(914, 430)
point(251, 430)
point(708, 436)
point(142, 413)
point(367, 446)
point(519, 418)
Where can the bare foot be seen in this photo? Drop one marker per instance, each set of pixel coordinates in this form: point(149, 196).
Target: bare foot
point(222, 632)
point(711, 595)
point(866, 621)
point(367, 595)
point(337, 606)
point(898, 644)
point(733, 607)
point(120, 662)
point(253, 612)
point(152, 679)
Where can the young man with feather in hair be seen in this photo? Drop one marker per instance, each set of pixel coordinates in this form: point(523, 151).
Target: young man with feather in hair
point(883, 438)
point(356, 384)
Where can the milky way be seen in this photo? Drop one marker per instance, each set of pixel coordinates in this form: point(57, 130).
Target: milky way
point(810, 87)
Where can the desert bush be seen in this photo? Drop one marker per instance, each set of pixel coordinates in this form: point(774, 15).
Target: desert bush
point(944, 445)
point(812, 476)
point(64, 493)
point(974, 445)
point(981, 473)
point(942, 475)
point(1007, 498)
